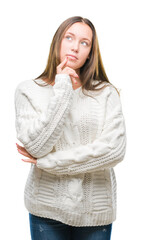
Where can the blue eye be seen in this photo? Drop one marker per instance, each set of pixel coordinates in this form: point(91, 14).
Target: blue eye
point(85, 43)
point(68, 37)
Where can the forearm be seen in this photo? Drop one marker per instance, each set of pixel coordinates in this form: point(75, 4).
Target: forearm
point(105, 151)
point(39, 131)
point(87, 158)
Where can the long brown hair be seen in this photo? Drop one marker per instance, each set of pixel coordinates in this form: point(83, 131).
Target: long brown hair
point(92, 73)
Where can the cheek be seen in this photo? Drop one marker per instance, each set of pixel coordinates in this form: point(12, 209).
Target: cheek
point(63, 47)
point(61, 52)
point(84, 56)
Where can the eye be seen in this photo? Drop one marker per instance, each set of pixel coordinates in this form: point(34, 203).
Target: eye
point(69, 37)
point(84, 43)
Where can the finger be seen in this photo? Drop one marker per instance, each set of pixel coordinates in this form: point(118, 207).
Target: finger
point(71, 72)
point(74, 76)
point(29, 160)
point(74, 80)
point(18, 146)
point(62, 64)
point(25, 153)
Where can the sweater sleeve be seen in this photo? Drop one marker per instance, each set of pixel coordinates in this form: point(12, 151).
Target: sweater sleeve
point(104, 152)
point(39, 130)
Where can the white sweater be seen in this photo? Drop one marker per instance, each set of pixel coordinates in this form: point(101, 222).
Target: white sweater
point(77, 141)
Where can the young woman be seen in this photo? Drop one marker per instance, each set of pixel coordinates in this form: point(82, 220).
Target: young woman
point(72, 128)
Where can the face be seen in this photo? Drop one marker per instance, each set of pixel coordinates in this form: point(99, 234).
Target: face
point(76, 45)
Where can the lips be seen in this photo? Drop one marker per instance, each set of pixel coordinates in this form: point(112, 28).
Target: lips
point(72, 56)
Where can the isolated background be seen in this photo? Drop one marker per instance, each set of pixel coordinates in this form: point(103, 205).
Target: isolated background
point(27, 28)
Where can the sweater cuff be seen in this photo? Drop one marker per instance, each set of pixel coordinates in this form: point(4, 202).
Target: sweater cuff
point(62, 80)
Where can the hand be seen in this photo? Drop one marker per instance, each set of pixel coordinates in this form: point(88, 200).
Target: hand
point(61, 69)
point(23, 151)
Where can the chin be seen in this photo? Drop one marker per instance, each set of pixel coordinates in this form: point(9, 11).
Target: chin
point(72, 65)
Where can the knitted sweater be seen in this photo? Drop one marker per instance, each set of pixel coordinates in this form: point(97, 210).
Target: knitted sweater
point(77, 141)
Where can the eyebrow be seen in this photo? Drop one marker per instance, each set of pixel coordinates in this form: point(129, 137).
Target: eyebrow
point(74, 35)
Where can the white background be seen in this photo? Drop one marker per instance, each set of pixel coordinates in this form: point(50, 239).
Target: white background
point(26, 32)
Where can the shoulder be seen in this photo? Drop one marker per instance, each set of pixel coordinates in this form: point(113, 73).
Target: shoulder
point(28, 92)
point(110, 96)
point(31, 86)
point(108, 89)
point(24, 85)
point(113, 100)
point(113, 92)
point(105, 89)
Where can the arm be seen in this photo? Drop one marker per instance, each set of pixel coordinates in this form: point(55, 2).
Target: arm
point(40, 130)
point(105, 152)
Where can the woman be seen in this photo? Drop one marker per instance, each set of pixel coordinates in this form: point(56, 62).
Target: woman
point(70, 122)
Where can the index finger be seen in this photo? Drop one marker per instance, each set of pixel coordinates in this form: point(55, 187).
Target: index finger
point(62, 64)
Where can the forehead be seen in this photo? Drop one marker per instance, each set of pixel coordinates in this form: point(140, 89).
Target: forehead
point(81, 29)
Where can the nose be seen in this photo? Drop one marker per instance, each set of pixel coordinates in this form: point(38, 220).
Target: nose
point(75, 46)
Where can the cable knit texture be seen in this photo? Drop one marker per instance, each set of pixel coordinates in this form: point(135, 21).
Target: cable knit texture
point(77, 141)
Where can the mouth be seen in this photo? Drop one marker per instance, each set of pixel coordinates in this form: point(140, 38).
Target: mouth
point(72, 57)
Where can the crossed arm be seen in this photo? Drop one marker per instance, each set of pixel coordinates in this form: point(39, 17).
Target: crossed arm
point(105, 152)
